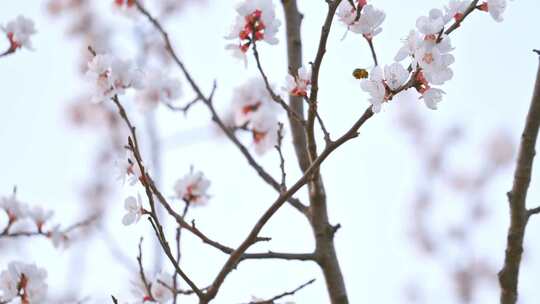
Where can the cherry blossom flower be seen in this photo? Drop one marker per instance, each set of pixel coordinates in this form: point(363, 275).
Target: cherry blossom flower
point(256, 21)
point(369, 22)
point(435, 61)
point(40, 216)
point(410, 44)
point(58, 237)
point(14, 209)
point(129, 168)
point(264, 129)
point(134, 209)
point(19, 32)
point(250, 98)
point(23, 281)
point(346, 13)
point(158, 87)
point(432, 97)
point(299, 85)
point(160, 287)
point(193, 188)
point(455, 10)
point(495, 8)
point(112, 76)
point(432, 24)
point(395, 75)
point(376, 88)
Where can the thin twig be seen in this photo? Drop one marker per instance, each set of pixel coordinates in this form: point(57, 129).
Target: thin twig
point(274, 96)
point(141, 270)
point(284, 294)
point(215, 117)
point(281, 158)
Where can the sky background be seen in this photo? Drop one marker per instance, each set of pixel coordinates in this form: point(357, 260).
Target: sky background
point(370, 181)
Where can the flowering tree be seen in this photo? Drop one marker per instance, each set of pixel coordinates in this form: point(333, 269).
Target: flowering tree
point(254, 124)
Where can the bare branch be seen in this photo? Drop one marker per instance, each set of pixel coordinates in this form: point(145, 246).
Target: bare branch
point(215, 117)
point(509, 274)
point(285, 294)
point(281, 159)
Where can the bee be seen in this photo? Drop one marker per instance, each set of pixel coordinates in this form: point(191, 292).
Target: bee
point(360, 73)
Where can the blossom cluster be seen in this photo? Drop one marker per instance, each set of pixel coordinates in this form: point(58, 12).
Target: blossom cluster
point(20, 213)
point(18, 32)
point(112, 76)
point(428, 48)
point(255, 111)
point(363, 19)
point(256, 21)
point(23, 283)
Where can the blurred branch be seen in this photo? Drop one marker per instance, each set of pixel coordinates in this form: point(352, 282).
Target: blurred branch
point(208, 101)
point(509, 274)
point(285, 294)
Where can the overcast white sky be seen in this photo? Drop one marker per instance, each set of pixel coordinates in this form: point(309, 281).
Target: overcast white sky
point(370, 181)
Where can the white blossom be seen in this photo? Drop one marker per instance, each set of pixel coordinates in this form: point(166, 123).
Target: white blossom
point(431, 97)
point(160, 292)
point(134, 210)
point(395, 75)
point(256, 21)
point(15, 209)
point(375, 87)
point(19, 32)
point(299, 85)
point(26, 281)
point(410, 44)
point(495, 8)
point(193, 188)
point(112, 76)
point(346, 13)
point(250, 98)
point(431, 24)
point(129, 169)
point(435, 61)
point(264, 128)
point(58, 237)
point(369, 22)
point(455, 10)
point(40, 216)
point(158, 88)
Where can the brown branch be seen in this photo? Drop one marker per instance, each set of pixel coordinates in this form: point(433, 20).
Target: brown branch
point(281, 158)
point(325, 32)
point(236, 256)
point(285, 294)
point(141, 270)
point(372, 49)
point(145, 178)
point(509, 274)
point(293, 21)
point(533, 211)
point(215, 117)
point(81, 224)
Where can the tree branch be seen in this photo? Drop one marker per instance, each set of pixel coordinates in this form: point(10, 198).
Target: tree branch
point(215, 117)
point(509, 274)
point(285, 294)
